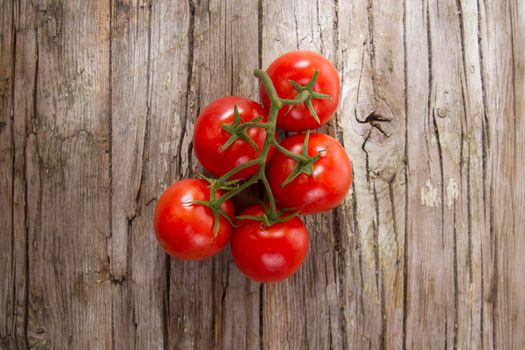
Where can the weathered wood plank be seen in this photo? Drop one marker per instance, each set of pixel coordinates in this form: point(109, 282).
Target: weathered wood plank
point(474, 326)
point(502, 25)
point(434, 118)
point(374, 124)
point(67, 174)
point(24, 125)
point(431, 288)
point(168, 55)
point(12, 298)
point(515, 295)
point(136, 324)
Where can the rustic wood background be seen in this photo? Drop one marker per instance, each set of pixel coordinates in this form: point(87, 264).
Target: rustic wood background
point(97, 105)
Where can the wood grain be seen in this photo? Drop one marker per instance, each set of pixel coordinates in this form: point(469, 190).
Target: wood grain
point(97, 105)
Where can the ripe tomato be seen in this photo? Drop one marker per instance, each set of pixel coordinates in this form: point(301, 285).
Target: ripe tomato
point(209, 136)
point(300, 66)
point(325, 189)
point(185, 230)
point(268, 254)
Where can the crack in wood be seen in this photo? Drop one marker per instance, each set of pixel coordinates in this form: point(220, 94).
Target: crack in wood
point(367, 161)
point(394, 220)
point(378, 269)
point(358, 249)
point(261, 316)
point(456, 284)
point(26, 224)
point(486, 127)
point(110, 153)
point(298, 47)
point(259, 31)
point(513, 79)
point(406, 178)
point(482, 302)
point(145, 140)
point(319, 28)
point(371, 46)
point(189, 80)
point(14, 329)
point(166, 304)
point(225, 284)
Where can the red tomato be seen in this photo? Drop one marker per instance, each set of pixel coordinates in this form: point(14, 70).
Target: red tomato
point(325, 189)
point(300, 66)
point(209, 136)
point(185, 230)
point(268, 254)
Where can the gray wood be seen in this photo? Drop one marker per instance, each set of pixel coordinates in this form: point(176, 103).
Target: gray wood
point(97, 105)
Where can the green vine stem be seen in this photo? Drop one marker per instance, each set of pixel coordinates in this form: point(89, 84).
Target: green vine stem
point(232, 188)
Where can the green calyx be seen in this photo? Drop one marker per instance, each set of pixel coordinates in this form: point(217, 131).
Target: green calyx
point(238, 130)
point(217, 212)
point(305, 94)
point(303, 164)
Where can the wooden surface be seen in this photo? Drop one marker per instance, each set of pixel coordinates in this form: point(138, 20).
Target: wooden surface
point(97, 105)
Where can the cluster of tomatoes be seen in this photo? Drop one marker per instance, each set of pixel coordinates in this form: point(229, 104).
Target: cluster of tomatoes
point(234, 140)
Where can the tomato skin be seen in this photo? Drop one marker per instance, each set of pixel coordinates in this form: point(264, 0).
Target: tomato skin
point(268, 254)
point(300, 66)
point(209, 136)
point(185, 230)
point(329, 183)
